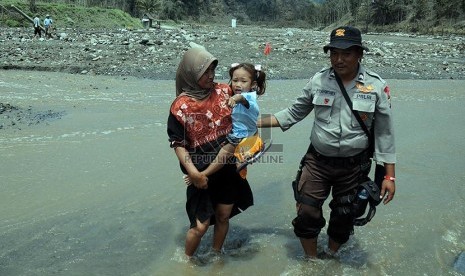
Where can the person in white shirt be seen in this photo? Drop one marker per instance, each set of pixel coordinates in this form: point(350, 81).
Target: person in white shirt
point(37, 29)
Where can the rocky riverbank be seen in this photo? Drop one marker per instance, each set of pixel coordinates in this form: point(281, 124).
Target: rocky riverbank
point(18, 117)
point(155, 53)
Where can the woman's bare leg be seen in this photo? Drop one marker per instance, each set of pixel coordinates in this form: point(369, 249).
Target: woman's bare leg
point(194, 236)
point(222, 214)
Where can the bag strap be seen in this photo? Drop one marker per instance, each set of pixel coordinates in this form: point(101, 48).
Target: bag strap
point(349, 102)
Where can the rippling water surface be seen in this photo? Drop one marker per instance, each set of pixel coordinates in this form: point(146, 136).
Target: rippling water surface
point(99, 192)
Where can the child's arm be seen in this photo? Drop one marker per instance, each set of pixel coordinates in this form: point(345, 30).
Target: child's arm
point(238, 99)
point(222, 158)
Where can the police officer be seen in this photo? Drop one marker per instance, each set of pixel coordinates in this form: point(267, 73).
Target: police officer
point(338, 143)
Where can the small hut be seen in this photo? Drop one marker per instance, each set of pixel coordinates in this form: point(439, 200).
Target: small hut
point(146, 21)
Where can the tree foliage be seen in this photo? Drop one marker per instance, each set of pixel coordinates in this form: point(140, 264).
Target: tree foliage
point(389, 12)
point(172, 9)
point(32, 5)
point(148, 6)
point(449, 9)
point(315, 13)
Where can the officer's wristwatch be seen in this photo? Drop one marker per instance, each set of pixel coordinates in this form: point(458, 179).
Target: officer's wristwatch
point(387, 177)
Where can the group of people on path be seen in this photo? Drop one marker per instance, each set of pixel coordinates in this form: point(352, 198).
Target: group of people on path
point(48, 23)
point(208, 121)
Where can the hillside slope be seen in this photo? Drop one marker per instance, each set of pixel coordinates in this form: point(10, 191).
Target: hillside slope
point(68, 16)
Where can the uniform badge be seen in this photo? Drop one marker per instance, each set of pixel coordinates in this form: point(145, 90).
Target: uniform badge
point(364, 89)
point(387, 90)
point(340, 32)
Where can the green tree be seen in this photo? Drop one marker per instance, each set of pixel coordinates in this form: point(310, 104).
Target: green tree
point(172, 9)
point(293, 10)
point(389, 12)
point(131, 7)
point(312, 15)
point(261, 9)
point(366, 13)
point(191, 8)
point(421, 9)
point(333, 10)
point(448, 9)
point(32, 6)
point(148, 6)
point(353, 6)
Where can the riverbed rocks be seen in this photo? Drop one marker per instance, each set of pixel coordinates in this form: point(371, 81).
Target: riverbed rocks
point(155, 53)
point(17, 117)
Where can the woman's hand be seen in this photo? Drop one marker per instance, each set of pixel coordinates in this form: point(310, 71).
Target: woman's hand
point(199, 180)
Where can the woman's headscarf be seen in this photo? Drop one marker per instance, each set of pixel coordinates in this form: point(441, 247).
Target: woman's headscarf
point(191, 68)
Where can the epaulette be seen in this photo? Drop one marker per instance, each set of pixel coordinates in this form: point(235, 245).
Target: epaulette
point(326, 71)
point(373, 74)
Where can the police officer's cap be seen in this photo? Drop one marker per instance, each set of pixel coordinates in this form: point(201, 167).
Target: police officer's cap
point(344, 37)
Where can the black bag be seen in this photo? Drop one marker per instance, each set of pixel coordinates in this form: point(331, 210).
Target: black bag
point(380, 172)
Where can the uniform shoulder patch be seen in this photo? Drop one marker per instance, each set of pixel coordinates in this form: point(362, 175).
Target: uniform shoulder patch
point(321, 73)
point(373, 74)
point(324, 69)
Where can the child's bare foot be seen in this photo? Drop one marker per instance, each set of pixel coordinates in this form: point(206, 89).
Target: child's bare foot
point(187, 180)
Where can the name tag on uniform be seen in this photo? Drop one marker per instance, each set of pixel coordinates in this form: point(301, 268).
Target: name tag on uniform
point(364, 102)
point(363, 96)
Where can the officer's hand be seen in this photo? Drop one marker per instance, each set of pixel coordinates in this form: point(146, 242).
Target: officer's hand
point(390, 187)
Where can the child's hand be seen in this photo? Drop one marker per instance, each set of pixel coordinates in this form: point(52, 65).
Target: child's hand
point(236, 99)
point(232, 102)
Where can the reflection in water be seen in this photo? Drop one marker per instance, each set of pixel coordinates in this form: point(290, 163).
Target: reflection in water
point(99, 192)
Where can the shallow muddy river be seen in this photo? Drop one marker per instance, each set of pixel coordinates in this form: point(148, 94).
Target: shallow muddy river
point(99, 192)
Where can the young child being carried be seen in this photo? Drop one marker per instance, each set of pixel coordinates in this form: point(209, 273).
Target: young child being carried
point(247, 81)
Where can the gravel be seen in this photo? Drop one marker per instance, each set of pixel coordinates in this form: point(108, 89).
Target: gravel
point(155, 53)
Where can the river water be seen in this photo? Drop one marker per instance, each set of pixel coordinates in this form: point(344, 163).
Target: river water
point(98, 191)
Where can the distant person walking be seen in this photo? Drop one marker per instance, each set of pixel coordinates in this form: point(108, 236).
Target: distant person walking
point(37, 30)
point(48, 26)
